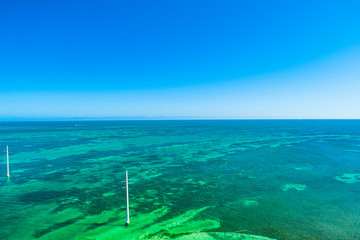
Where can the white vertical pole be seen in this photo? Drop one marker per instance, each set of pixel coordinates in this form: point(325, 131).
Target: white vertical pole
point(7, 158)
point(127, 201)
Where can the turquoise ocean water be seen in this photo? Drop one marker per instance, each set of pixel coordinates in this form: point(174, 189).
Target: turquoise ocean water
point(249, 179)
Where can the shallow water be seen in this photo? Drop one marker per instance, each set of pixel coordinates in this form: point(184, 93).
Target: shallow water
point(250, 179)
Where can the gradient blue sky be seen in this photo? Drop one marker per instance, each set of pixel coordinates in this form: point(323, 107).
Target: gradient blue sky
point(179, 59)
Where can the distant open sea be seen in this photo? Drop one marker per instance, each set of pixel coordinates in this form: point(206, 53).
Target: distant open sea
point(203, 179)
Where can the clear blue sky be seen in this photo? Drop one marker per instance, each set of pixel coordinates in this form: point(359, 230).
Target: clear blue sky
point(179, 59)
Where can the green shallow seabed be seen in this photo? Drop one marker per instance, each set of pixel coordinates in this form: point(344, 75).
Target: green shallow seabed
point(189, 180)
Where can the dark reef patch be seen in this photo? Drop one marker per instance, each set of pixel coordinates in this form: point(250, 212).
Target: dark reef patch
point(56, 226)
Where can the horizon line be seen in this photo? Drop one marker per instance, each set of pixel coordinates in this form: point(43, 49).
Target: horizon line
point(69, 119)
